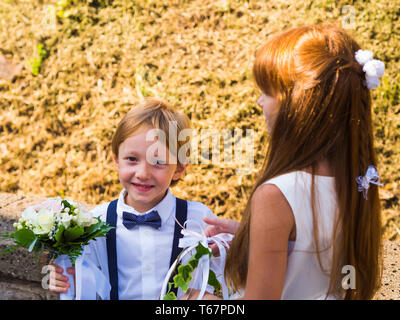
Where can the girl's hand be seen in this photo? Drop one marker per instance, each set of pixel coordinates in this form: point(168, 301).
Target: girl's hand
point(217, 226)
point(59, 282)
point(220, 225)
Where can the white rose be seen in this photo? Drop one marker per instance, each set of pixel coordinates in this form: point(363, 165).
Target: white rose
point(363, 56)
point(85, 218)
point(374, 68)
point(30, 216)
point(65, 219)
point(372, 82)
point(45, 221)
point(53, 204)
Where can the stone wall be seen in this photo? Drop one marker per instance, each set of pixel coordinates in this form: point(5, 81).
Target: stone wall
point(21, 276)
point(20, 272)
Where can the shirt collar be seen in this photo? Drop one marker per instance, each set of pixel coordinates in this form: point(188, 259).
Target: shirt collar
point(164, 207)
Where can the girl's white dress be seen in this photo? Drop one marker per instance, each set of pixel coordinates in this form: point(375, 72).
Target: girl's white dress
point(304, 277)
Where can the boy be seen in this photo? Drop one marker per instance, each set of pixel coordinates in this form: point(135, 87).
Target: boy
point(136, 255)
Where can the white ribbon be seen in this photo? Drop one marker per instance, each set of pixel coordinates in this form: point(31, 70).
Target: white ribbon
point(371, 176)
point(91, 283)
point(373, 68)
point(64, 262)
point(190, 241)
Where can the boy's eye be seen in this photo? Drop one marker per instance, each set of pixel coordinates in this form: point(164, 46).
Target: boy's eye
point(133, 159)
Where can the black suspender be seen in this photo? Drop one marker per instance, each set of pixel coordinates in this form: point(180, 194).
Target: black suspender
point(181, 216)
point(112, 249)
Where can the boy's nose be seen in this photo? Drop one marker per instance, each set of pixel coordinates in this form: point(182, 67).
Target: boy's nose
point(143, 172)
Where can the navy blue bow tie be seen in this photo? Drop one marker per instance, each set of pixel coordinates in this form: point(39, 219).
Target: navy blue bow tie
point(151, 219)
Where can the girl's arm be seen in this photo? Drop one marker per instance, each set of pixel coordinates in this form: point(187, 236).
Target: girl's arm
point(271, 223)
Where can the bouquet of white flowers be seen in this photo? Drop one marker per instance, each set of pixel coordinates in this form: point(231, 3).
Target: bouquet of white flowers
point(62, 227)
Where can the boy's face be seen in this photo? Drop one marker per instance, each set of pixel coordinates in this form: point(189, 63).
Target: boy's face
point(145, 179)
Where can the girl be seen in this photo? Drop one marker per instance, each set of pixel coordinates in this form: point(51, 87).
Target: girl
point(307, 223)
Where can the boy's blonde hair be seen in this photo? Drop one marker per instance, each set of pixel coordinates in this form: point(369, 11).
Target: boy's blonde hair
point(155, 113)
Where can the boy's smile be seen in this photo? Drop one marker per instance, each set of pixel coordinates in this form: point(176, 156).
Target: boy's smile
point(146, 173)
point(142, 187)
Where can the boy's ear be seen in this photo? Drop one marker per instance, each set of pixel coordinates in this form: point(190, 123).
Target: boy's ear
point(180, 169)
point(115, 160)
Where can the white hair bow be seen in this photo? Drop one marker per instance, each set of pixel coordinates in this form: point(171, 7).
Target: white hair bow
point(373, 68)
point(371, 176)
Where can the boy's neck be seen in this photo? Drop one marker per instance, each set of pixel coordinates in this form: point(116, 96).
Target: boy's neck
point(143, 208)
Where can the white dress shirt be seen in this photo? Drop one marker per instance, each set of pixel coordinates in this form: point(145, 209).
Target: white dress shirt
point(143, 252)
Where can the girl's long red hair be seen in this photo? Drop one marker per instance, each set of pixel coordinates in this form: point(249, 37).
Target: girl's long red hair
point(324, 113)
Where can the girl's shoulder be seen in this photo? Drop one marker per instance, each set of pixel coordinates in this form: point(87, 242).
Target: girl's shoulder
point(287, 178)
point(284, 183)
point(299, 180)
point(296, 187)
point(266, 201)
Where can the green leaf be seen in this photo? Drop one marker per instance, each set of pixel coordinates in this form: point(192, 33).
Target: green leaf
point(24, 237)
point(101, 232)
point(170, 296)
point(73, 233)
point(212, 280)
point(93, 228)
point(66, 204)
point(193, 262)
point(35, 64)
point(101, 226)
point(42, 52)
point(180, 282)
point(59, 235)
point(185, 272)
point(201, 251)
